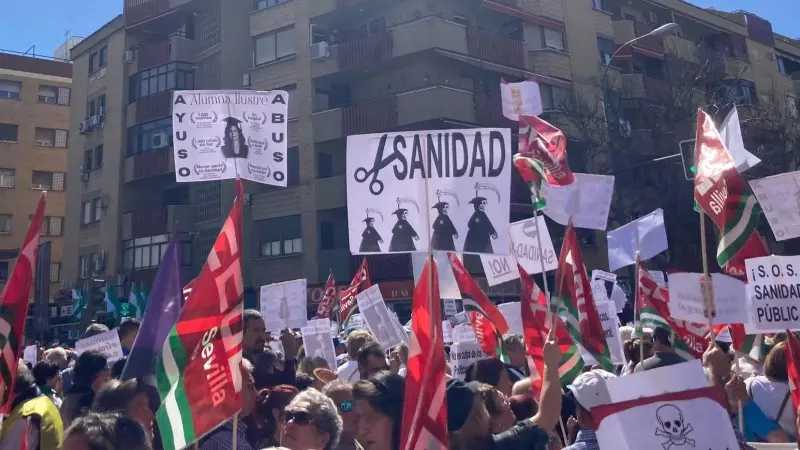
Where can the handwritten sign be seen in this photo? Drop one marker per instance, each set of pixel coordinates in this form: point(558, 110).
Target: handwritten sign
point(462, 355)
point(317, 340)
point(773, 292)
point(686, 298)
point(525, 251)
point(106, 343)
point(377, 317)
point(464, 333)
point(513, 313)
point(779, 197)
point(610, 321)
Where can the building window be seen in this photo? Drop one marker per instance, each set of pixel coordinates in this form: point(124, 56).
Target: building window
point(147, 252)
point(10, 89)
point(5, 223)
point(291, 109)
point(150, 136)
point(279, 237)
point(599, 4)
point(48, 94)
point(160, 79)
point(47, 181)
point(92, 63)
point(275, 45)
point(3, 271)
point(93, 159)
point(51, 226)
point(92, 211)
point(55, 272)
point(101, 105)
point(324, 165)
point(85, 266)
point(45, 137)
point(103, 56)
point(553, 39)
point(7, 178)
point(98, 157)
point(264, 4)
point(90, 109)
point(8, 132)
point(553, 97)
point(606, 49)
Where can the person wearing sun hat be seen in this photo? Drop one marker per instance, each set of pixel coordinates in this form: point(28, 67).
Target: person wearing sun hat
point(587, 391)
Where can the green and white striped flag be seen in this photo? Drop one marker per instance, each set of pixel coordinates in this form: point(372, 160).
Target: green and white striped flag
point(78, 304)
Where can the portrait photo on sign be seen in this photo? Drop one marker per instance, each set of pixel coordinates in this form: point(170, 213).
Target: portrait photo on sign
point(219, 135)
point(447, 187)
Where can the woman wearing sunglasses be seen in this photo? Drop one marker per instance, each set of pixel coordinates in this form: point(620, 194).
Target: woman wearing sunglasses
point(264, 424)
point(379, 411)
point(341, 392)
point(311, 422)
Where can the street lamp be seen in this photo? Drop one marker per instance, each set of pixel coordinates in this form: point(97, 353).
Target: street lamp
point(660, 31)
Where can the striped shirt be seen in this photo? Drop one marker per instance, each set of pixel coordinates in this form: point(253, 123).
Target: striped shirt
point(222, 438)
point(586, 440)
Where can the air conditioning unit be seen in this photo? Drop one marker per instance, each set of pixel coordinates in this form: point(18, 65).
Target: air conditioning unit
point(160, 140)
point(84, 127)
point(94, 121)
point(652, 18)
point(128, 56)
point(319, 50)
point(84, 176)
point(246, 80)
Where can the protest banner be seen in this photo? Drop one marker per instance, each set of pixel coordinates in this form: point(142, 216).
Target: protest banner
point(460, 318)
point(513, 314)
point(652, 235)
point(773, 292)
point(221, 135)
point(686, 298)
point(448, 288)
point(377, 317)
point(462, 354)
point(283, 305)
point(450, 307)
point(520, 99)
point(106, 343)
point(593, 193)
point(524, 250)
point(317, 340)
point(463, 333)
point(30, 354)
point(356, 322)
point(410, 174)
point(779, 196)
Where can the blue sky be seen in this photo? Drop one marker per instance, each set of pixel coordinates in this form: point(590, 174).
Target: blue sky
point(43, 23)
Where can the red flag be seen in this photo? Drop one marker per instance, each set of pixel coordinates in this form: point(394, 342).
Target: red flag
point(793, 367)
point(424, 410)
point(473, 297)
point(348, 304)
point(575, 293)
point(544, 142)
point(326, 304)
point(486, 334)
point(14, 301)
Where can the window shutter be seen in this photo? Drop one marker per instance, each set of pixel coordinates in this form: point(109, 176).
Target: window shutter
point(58, 181)
point(61, 138)
point(55, 226)
point(63, 96)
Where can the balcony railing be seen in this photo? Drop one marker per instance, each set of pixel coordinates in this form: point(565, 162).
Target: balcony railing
point(149, 222)
point(652, 43)
point(154, 107)
point(494, 47)
point(152, 163)
point(153, 54)
point(489, 111)
point(370, 116)
point(139, 10)
point(365, 50)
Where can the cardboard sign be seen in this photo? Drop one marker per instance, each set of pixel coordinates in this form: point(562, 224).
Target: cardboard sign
point(106, 343)
point(30, 354)
point(377, 317)
point(512, 311)
point(524, 250)
point(221, 135)
point(462, 355)
point(686, 298)
point(779, 197)
point(318, 342)
point(283, 305)
point(447, 187)
point(593, 193)
point(773, 290)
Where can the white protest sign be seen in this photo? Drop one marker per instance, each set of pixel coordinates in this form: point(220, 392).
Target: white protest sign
point(650, 231)
point(463, 333)
point(603, 285)
point(610, 321)
point(356, 322)
point(520, 99)
point(686, 298)
point(512, 311)
point(283, 305)
point(448, 287)
point(398, 327)
point(106, 343)
point(460, 318)
point(220, 135)
point(603, 275)
point(779, 197)
point(30, 354)
point(460, 178)
point(524, 251)
point(594, 194)
point(377, 317)
point(462, 355)
point(318, 342)
point(599, 291)
point(619, 297)
point(773, 293)
point(500, 269)
point(450, 308)
point(447, 331)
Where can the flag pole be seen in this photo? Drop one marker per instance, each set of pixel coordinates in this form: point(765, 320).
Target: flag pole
point(637, 311)
point(706, 287)
point(535, 198)
point(235, 431)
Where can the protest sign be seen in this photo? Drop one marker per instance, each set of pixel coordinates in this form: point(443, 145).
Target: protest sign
point(447, 331)
point(594, 194)
point(220, 135)
point(462, 354)
point(619, 297)
point(686, 298)
point(463, 333)
point(513, 313)
point(448, 288)
point(106, 343)
point(520, 99)
point(283, 305)
point(450, 308)
point(356, 322)
point(277, 346)
point(659, 278)
point(460, 318)
point(610, 321)
point(524, 250)
point(377, 317)
point(608, 279)
point(773, 293)
point(779, 197)
point(599, 291)
point(500, 269)
point(652, 240)
point(317, 340)
point(460, 178)
point(30, 354)
point(398, 327)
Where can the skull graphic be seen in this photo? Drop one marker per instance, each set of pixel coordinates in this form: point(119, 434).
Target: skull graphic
point(673, 427)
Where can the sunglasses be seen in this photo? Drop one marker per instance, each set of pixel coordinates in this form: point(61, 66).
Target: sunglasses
point(298, 417)
point(346, 406)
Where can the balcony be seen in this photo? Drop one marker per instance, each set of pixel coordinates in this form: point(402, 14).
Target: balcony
point(638, 86)
point(157, 53)
point(427, 33)
point(154, 107)
point(149, 164)
point(330, 192)
point(156, 221)
point(739, 69)
point(551, 63)
point(627, 30)
point(137, 11)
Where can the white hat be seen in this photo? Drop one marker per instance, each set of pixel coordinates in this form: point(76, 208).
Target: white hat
point(590, 390)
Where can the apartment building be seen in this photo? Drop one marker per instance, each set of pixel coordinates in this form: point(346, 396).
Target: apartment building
point(363, 66)
point(35, 95)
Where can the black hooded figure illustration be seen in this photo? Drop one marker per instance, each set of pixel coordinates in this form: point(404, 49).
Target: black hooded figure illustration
point(403, 235)
point(234, 143)
point(370, 238)
point(480, 229)
point(443, 229)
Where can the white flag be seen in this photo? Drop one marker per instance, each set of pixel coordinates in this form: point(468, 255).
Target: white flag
point(622, 241)
point(731, 134)
point(521, 99)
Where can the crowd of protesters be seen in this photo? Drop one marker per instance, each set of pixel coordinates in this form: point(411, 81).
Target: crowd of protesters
point(300, 403)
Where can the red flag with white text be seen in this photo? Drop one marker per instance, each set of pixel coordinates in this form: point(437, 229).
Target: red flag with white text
point(348, 304)
point(474, 299)
point(328, 298)
point(544, 142)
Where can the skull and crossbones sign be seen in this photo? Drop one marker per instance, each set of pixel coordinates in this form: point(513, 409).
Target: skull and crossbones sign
point(673, 427)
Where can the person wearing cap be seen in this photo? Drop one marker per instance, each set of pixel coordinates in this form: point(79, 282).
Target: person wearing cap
point(663, 353)
point(234, 144)
point(480, 229)
point(370, 238)
point(468, 420)
point(443, 229)
point(587, 391)
point(403, 234)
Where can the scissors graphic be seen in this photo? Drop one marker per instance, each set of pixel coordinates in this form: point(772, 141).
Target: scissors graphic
point(361, 174)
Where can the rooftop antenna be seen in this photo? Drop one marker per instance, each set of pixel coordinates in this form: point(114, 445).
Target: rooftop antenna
point(32, 47)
